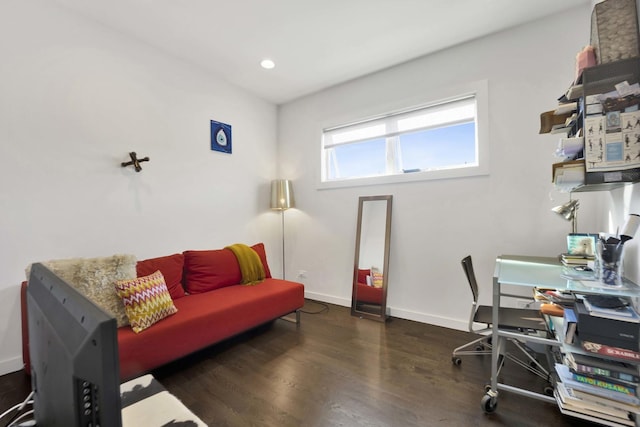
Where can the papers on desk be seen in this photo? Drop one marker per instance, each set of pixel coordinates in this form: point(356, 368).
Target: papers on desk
point(623, 312)
point(555, 297)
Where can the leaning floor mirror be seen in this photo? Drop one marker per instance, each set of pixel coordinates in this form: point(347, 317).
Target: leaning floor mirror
point(371, 265)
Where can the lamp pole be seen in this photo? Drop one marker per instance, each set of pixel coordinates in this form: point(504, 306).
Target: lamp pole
point(282, 215)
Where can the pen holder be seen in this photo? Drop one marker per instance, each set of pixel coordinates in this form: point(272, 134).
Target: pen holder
point(609, 263)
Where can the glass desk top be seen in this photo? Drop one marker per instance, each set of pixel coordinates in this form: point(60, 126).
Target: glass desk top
point(548, 272)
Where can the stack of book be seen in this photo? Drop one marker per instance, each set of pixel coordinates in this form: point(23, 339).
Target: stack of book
point(600, 380)
point(576, 259)
point(602, 389)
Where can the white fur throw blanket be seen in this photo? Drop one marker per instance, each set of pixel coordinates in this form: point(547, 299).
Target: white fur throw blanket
point(95, 278)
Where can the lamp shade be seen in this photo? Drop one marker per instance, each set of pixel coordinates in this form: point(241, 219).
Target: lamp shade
point(568, 210)
point(281, 194)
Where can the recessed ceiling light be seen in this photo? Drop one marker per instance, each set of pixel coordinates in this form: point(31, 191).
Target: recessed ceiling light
point(267, 64)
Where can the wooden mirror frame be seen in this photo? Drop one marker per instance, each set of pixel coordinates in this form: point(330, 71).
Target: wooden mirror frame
point(355, 310)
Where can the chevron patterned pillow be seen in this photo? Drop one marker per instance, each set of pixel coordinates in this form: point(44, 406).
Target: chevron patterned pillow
point(146, 300)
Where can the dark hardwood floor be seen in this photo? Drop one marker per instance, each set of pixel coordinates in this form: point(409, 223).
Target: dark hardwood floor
point(338, 370)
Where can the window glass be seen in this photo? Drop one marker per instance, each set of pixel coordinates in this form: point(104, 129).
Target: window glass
point(365, 158)
point(441, 136)
point(440, 148)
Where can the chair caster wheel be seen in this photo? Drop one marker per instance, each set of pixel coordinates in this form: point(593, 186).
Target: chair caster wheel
point(456, 361)
point(548, 390)
point(488, 404)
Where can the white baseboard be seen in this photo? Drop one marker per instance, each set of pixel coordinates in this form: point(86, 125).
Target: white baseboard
point(446, 322)
point(8, 366)
point(430, 319)
point(344, 302)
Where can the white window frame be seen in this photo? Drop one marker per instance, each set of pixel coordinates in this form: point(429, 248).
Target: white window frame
point(478, 90)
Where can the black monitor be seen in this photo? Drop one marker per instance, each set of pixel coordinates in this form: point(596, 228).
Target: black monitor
point(73, 345)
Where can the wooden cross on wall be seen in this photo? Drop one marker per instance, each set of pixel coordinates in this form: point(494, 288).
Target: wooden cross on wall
point(135, 161)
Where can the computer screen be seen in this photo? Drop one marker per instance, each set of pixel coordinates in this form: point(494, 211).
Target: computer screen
point(73, 344)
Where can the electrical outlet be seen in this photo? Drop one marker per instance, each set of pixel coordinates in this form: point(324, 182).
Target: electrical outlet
point(302, 274)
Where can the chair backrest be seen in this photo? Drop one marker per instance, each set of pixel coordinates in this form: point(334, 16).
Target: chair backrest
point(467, 266)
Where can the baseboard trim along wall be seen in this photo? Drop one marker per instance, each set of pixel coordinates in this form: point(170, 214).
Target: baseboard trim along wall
point(8, 366)
point(445, 322)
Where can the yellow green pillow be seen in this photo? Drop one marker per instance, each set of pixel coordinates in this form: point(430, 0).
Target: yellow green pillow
point(146, 300)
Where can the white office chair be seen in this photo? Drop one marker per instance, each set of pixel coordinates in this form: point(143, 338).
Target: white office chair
point(515, 319)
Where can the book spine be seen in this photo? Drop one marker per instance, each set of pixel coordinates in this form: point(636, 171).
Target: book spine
point(610, 351)
point(602, 392)
point(567, 378)
point(594, 370)
point(607, 385)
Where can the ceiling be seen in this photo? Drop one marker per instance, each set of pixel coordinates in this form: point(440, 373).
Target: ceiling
point(315, 44)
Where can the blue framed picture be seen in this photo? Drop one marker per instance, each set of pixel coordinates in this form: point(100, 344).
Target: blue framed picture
point(220, 137)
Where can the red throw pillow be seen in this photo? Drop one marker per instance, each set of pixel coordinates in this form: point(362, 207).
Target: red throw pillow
point(170, 266)
point(208, 270)
point(259, 248)
point(362, 275)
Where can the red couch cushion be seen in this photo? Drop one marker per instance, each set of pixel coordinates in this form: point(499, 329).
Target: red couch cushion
point(259, 248)
point(369, 294)
point(205, 319)
point(171, 268)
point(208, 270)
point(362, 275)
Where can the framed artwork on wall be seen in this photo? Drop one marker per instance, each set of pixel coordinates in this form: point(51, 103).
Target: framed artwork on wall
point(220, 137)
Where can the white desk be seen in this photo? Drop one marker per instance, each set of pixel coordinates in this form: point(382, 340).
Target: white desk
point(545, 272)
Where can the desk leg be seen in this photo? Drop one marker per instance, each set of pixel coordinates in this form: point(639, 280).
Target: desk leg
point(490, 400)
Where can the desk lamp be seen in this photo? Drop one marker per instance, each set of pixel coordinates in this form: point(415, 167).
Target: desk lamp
point(281, 200)
point(569, 211)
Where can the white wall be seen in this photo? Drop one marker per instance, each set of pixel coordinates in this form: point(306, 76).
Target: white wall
point(437, 223)
point(75, 98)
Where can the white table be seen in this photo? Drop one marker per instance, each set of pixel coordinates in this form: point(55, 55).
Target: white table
point(543, 272)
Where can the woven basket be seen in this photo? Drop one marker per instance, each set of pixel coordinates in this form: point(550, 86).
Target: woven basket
point(614, 30)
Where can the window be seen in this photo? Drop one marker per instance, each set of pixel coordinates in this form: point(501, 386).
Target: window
point(434, 141)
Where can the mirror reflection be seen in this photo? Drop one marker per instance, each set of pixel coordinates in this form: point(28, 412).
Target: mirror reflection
point(370, 277)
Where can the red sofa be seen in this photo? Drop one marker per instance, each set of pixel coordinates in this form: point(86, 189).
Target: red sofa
point(212, 306)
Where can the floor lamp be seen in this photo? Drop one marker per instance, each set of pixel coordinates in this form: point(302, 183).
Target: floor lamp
point(281, 200)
